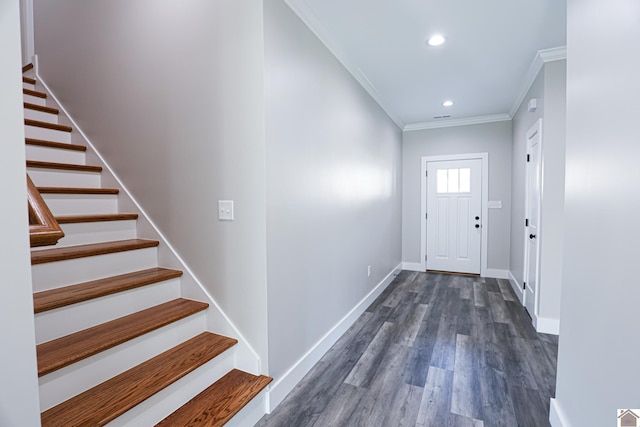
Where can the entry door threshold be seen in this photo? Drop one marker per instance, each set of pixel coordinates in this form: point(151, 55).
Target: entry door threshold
point(453, 273)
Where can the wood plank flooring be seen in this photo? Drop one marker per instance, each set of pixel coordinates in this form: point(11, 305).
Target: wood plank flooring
point(433, 350)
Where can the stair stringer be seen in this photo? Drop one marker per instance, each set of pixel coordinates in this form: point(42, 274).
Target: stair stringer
point(217, 321)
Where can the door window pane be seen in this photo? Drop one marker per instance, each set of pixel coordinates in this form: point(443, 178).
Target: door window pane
point(465, 180)
point(453, 180)
point(441, 181)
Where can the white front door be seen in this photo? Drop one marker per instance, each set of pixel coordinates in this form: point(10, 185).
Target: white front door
point(454, 208)
point(532, 212)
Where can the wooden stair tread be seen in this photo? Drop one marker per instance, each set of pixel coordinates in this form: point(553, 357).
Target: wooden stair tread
point(218, 403)
point(76, 219)
point(73, 190)
point(64, 351)
point(27, 67)
point(52, 144)
point(35, 93)
point(42, 108)
point(68, 295)
point(107, 401)
point(82, 251)
point(28, 80)
point(63, 166)
point(47, 125)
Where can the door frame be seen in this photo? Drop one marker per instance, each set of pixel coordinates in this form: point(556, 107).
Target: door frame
point(535, 128)
point(484, 200)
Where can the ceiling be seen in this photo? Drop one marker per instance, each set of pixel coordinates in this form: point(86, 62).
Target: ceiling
point(485, 66)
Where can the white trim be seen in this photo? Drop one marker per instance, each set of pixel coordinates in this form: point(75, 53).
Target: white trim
point(308, 16)
point(496, 273)
point(517, 287)
point(542, 56)
point(457, 122)
point(184, 265)
point(283, 385)
point(485, 202)
point(547, 325)
point(412, 266)
point(557, 417)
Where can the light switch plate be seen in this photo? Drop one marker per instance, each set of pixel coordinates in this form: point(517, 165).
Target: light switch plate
point(225, 210)
point(495, 204)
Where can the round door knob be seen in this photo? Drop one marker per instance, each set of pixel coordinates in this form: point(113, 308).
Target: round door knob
point(477, 218)
point(477, 225)
point(532, 236)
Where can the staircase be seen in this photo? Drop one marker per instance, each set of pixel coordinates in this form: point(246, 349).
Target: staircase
point(118, 343)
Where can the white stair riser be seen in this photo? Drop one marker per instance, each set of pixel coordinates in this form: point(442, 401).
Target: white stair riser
point(46, 154)
point(42, 177)
point(96, 232)
point(164, 403)
point(63, 273)
point(36, 132)
point(40, 116)
point(34, 99)
point(81, 204)
point(67, 320)
point(69, 381)
point(29, 86)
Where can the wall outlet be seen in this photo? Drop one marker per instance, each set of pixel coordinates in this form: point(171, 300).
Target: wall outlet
point(368, 271)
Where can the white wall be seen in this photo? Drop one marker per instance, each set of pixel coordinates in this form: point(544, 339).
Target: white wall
point(171, 94)
point(598, 369)
point(333, 189)
point(492, 138)
point(549, 89)
point(18, 375)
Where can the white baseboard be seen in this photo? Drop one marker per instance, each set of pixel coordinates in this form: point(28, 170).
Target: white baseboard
point(517, 288)
point(557, 417)
point(496, 273)
point(412, 266)
point(548, 325)
point(283, 385)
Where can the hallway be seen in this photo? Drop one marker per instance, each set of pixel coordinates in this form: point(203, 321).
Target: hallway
point(432, 350)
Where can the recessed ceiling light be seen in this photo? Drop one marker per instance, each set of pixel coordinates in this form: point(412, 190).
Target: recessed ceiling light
point(436, 40)
point(447, 103)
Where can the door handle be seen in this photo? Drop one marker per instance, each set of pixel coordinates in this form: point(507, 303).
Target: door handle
point(477, 218)
point(477, 225)
point(532, 236)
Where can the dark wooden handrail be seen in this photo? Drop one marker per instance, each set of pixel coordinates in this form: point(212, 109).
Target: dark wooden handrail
point(44, 230)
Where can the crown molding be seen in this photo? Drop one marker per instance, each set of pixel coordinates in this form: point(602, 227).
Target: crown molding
point(542, 57)
point(308, 16)
point(457, 122)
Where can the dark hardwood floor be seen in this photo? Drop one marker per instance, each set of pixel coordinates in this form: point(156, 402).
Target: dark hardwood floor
point(432, 350)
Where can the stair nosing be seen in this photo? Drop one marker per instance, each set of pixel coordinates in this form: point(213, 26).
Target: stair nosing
point(47, 125)
point(65, 351)
point(35, 93)
point(93, 249)
point(74, 190)
point(37, 164)
point(205, 402)
point(53, 144)
point(41, 108)
point(68, 295)
point(206, 346)
point(28, 80)
point(77, 219)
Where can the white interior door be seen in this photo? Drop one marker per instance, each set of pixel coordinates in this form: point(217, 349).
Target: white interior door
point(532, 221)
point(454, 209)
